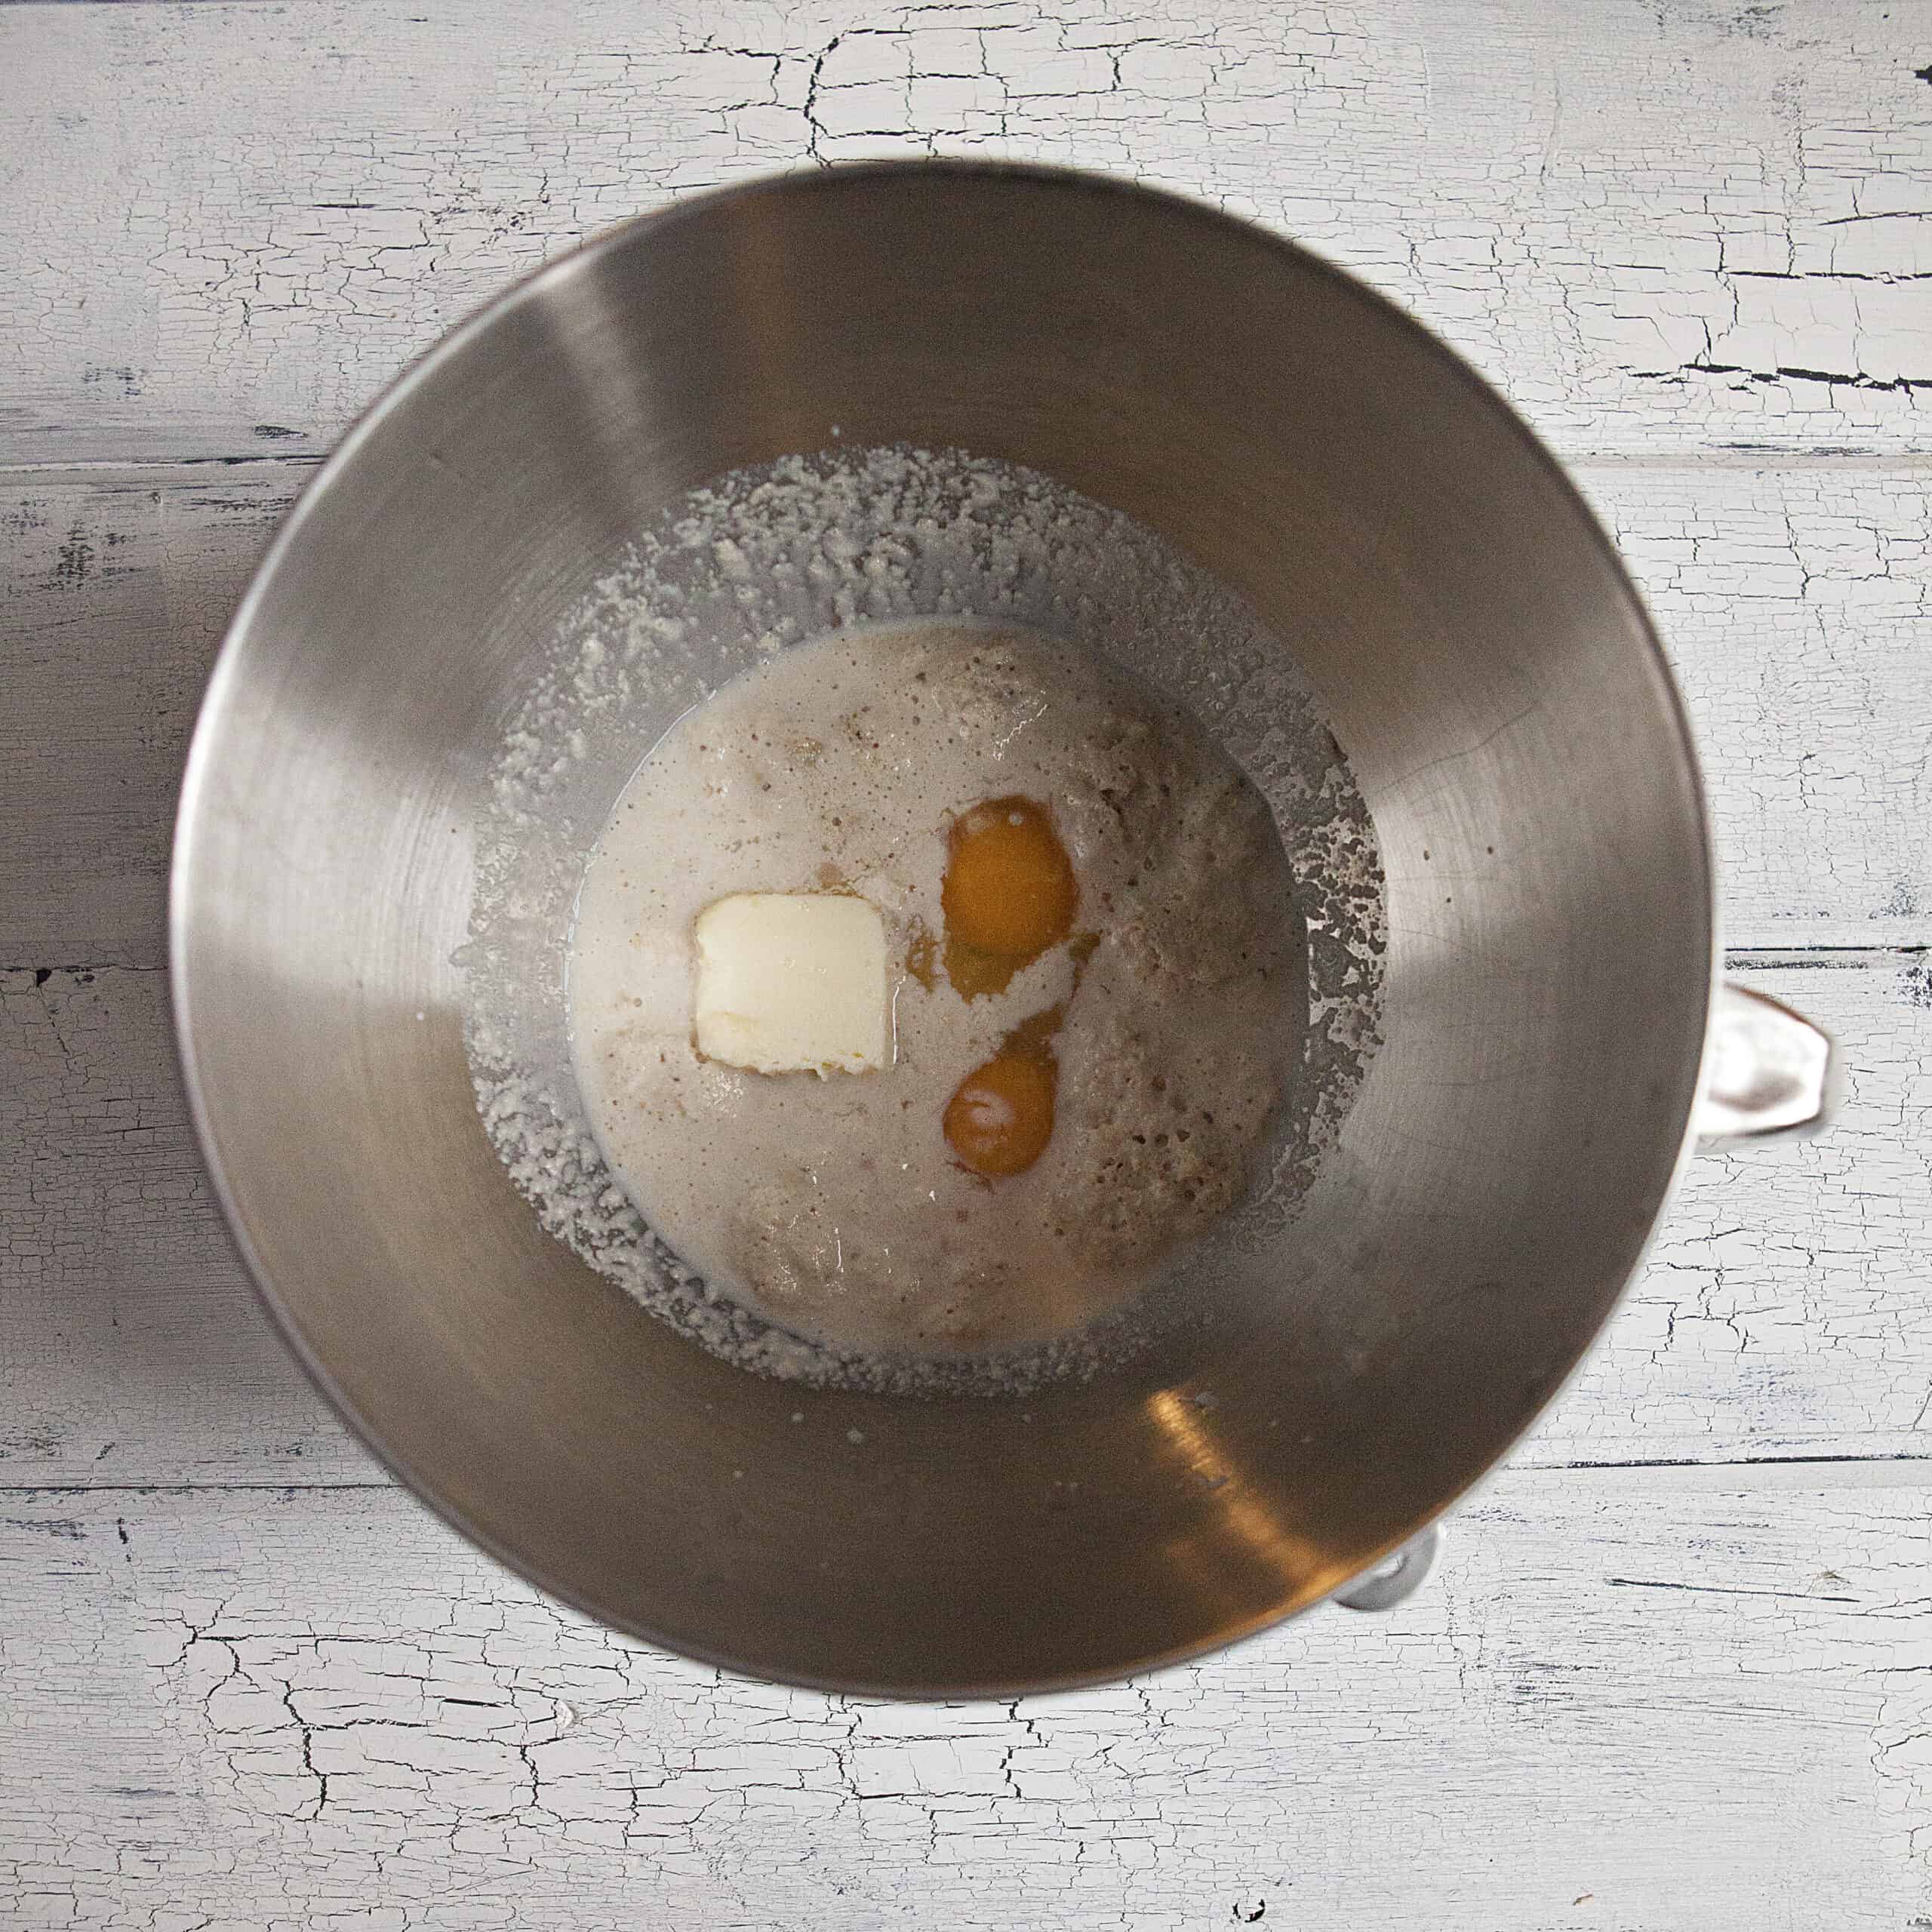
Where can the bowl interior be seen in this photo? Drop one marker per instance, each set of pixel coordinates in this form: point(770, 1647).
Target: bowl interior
point(1482, 659)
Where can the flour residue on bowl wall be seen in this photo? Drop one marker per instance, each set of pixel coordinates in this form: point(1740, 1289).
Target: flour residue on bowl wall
point(765, 560)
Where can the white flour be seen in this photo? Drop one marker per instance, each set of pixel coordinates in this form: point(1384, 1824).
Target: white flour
point(766, 559)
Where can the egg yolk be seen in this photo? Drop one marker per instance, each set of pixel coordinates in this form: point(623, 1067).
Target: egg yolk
point(1009, 889)
point(1001, 1117)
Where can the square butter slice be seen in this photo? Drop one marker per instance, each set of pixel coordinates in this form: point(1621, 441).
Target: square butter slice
point(792, 982)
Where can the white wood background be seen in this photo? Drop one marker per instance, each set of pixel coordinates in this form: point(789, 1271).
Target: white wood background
point(1677, 1670)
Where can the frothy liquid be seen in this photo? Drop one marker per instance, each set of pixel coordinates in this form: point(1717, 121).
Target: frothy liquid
point(837, 1207)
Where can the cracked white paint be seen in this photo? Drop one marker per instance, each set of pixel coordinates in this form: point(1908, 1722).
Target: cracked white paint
point(1652, 225)
point(1794, 605)
point(131, 1348)
point(1783, 1311)
point(117, 587)
point(322, 1710)
point(1636, 1698)
point(1794, 601)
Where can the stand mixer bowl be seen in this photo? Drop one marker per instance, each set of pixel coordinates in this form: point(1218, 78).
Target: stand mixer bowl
point(1484, 663)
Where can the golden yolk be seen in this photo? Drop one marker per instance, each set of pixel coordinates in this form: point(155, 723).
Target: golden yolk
point(1000, 1120)
point(1009, 888)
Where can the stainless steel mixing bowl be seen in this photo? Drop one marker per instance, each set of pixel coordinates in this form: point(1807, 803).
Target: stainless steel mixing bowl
point(1484, 661)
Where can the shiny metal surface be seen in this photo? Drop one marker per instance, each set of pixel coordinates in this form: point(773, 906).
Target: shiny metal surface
point(1770, 1074)
point(1483, 662)
point(1396, 1578)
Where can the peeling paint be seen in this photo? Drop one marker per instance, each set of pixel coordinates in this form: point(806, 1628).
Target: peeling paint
point(343, 1711)
point(1652, 227)
point(1678, 1669)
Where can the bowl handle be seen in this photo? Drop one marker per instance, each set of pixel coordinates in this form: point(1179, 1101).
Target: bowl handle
point(1769, 1073)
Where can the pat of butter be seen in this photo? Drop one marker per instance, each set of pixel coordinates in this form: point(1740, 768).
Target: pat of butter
point(792, 982)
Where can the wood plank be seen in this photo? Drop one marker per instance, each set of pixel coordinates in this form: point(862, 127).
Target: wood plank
point(1782, 1310)
point(1793, 600)
point(1654, 226)
point(1783, 1313)
point(1793, 604)
point(1628, 1700)
point(131, 1345)
point(118, 586)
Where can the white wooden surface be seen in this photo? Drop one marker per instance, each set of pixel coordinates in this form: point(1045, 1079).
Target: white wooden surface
point(1678, 1669)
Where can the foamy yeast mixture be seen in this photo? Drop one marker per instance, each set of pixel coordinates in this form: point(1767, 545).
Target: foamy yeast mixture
point(834, 1206)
